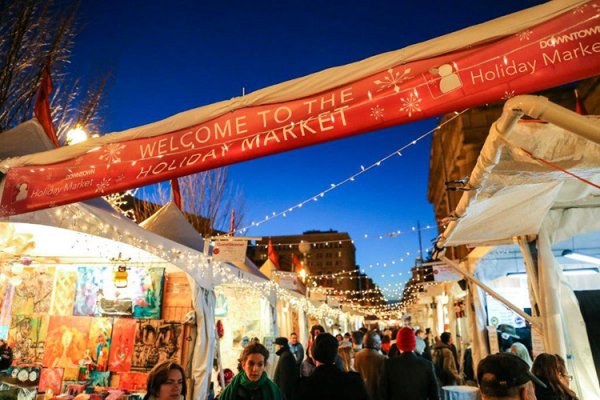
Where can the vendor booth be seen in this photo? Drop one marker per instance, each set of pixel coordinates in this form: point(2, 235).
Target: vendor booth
point(90, 301)
point(535, 186)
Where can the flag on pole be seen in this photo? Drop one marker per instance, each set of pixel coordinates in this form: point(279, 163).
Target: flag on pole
point(273, 255)
point(579, 106)
point(296, 263)
point(232, 224)
point(41, 108)
point(176, 193)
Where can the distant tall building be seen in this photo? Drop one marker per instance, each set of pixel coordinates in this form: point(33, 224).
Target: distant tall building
point(330, 252)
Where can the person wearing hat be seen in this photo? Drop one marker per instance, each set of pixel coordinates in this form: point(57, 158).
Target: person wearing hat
point(408, 376)
point(369, 362)
point(505, 376)
point(286, 372)
point(328, 382)
point(445, 362)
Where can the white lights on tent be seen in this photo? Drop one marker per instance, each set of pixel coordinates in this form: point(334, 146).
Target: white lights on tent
point(76, 135)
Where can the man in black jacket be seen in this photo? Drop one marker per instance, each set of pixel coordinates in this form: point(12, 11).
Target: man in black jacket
point(327, 382)
point(408, 376)
point(286, 371)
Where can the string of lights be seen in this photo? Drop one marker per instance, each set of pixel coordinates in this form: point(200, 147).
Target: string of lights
point(398, 152)
point(85, 224)
point(365, 236)
point(351, 178)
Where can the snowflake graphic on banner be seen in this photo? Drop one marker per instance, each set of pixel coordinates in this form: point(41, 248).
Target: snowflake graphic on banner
point(393, 79)
point(6, 211)
point(102, 186)
point(524, 35)
point(112, 153)
point(580, 9)
point(120, 178)
point(508, 94)
point(377, 112)
point(411, 104)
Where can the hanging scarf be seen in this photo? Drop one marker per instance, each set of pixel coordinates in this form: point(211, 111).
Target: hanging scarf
point(268, 389)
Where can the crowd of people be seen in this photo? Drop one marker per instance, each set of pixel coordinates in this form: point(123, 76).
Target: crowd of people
point(357, 366)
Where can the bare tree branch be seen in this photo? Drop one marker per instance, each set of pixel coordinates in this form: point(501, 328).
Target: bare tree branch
point(208, 200)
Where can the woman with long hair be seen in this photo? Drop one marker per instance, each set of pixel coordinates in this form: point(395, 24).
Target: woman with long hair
point(347, 355)
point(252, 382)
point(166, 381)
point(551, 370)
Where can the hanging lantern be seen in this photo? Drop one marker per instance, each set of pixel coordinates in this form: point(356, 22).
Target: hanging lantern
point(120, 277)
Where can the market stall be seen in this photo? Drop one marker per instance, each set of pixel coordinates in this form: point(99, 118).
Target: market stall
point(169, 222)
point(86, 304)
point(535, 184)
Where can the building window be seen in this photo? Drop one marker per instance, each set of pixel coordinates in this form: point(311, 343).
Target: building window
point(328, 263)
point(339, 254)
point(328, 255)
point(338, 263)
point(319, 255)
point(319, 264)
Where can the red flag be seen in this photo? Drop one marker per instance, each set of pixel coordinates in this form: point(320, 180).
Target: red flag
point(296, 263)
point(41, 108)
point(579, 106)
point(176, 193)
point(232, 224)
point(273, 255)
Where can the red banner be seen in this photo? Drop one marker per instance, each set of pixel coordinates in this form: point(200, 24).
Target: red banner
point(564, 49)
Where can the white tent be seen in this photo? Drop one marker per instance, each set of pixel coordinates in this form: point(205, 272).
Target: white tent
point(170, 223)
point(519, 192)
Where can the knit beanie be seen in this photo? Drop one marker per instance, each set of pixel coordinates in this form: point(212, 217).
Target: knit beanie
point(406, 339)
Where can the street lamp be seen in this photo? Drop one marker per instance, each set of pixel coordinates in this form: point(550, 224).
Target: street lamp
point(304, 248)
point(76, 135)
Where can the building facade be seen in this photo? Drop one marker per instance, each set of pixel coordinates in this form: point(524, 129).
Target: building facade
point(331, 252)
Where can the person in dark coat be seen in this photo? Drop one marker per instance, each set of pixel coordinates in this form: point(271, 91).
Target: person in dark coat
point(443, 359)
point(286, 372)
point(408, 376)
point(327, 382)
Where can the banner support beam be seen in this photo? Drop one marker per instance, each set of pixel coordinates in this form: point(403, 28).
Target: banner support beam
point(491, 292)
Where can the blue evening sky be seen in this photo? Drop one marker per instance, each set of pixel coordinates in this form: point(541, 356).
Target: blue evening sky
point(171, 56)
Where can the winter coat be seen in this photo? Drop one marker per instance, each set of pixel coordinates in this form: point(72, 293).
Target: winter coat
point(445, 364)
point(286, 373)
point(408, 376)
point(298, 353)
point(327, 382)
point(369, 363)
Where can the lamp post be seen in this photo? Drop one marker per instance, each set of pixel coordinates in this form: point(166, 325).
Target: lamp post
point(76, 135)
point(304, 248)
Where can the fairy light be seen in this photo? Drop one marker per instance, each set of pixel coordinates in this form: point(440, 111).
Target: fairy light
point(387, 235)
point(351, 178)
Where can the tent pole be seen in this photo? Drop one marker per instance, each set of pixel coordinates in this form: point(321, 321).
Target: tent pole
point(540, 107)
point(491, 292)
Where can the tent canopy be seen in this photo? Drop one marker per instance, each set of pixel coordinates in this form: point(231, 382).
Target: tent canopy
point(511, 193)
point(169, 222)
point(94, 221)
